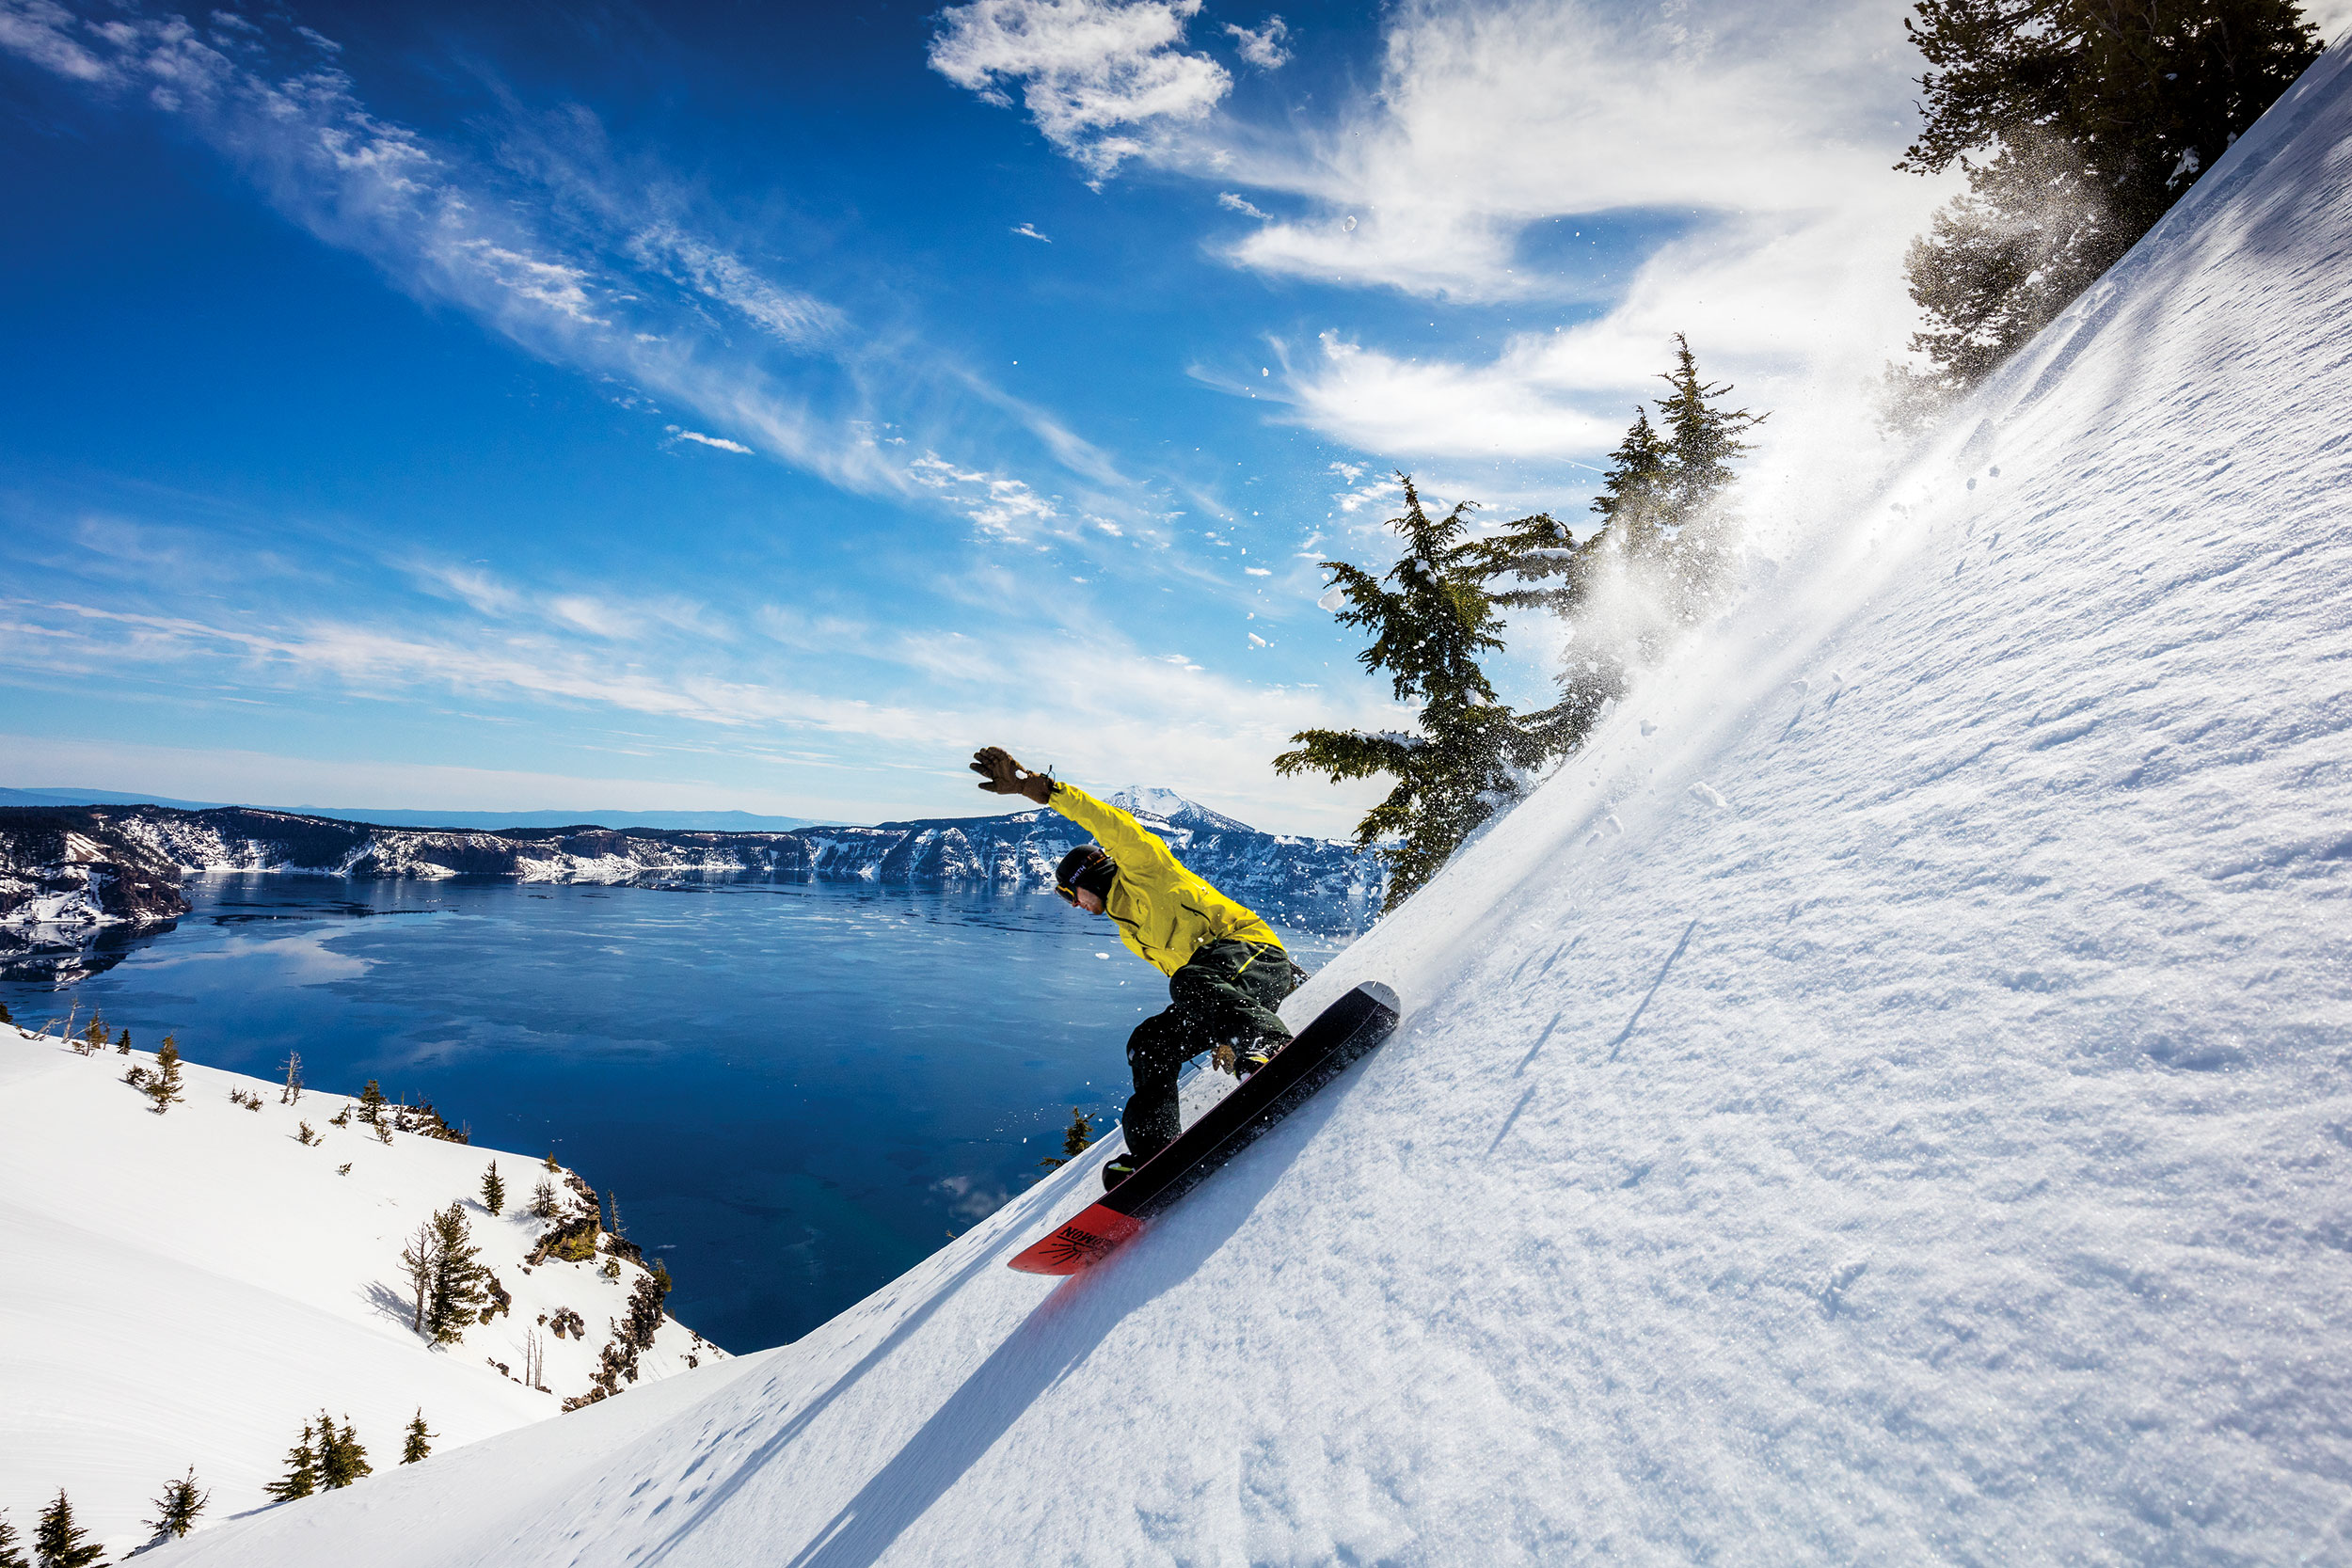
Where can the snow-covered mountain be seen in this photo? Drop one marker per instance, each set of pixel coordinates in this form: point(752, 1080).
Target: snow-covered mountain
point(104, 864)
point(1885, 1103)
point(192, 1287)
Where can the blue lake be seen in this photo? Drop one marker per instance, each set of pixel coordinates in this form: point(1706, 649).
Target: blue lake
point(794, 1091)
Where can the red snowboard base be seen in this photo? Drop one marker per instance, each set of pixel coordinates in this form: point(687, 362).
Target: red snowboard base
point(1347, 1029)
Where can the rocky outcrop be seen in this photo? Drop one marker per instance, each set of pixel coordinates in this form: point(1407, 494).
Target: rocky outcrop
point(122, 864)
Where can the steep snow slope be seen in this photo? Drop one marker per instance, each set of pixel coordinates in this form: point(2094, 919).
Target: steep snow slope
point(190, 1288)
point(1887, 1103)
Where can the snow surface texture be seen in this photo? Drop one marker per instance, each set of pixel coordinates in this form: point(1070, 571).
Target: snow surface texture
point(1885, 1103)
point(191, 1289)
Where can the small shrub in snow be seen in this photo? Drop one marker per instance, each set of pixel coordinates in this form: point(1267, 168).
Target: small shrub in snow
point(612, 1269)
point(136, 1077)
point(342, 1458)
point(342, 1118)
point(59, 1543)
point(543, 1200)
point(344, 1169)
point(177, 1508)
point(306, 1138)
point(302, 1471)
point(164, 1089)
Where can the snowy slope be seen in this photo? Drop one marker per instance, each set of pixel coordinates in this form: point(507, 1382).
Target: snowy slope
point(192, 1287)
point(1887, 1103)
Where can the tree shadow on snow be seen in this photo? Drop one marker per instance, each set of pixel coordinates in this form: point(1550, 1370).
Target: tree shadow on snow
point(1050, 1342)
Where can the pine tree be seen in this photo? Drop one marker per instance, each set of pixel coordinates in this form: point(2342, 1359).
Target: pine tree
point(10, 1018)
point(177, 1508)
point(12, 1554)
point(550, 1161)
point(59, 1543)
point(372, 1103)
point(455, 1292)
point(1465, 760)
point(419, 1442)
point(341, 1459)
point(493, 1191)
point(122, 1046)
point(164, 1087)
point(1657, 564)
point(543, 1200)
point(1076, 1140)
point(302, 1471)
point(2078, 123)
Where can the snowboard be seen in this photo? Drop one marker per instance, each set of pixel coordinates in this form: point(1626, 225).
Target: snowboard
point(1347, 1030)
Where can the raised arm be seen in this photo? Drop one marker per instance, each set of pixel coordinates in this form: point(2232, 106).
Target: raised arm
point(1128, 841)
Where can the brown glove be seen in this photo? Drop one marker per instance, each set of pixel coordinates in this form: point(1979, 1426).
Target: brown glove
point(1001, 775)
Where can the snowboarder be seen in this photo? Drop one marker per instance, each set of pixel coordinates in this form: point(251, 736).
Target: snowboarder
point(1227, 971)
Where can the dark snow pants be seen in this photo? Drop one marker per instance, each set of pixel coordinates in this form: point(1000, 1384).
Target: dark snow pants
point(1226, 995)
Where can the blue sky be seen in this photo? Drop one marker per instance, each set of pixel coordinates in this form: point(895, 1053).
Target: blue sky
point(719, 405)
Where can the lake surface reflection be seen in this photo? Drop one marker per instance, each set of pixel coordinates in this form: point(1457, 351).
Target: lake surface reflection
point(795, 1091)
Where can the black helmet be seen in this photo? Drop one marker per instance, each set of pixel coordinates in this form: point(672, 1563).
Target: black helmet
point(1087, 866)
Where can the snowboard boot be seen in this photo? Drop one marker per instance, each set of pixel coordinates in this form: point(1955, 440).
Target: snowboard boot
point(1120, 1167)
point(1251, 1058)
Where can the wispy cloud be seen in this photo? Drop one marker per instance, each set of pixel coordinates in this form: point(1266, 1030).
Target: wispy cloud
point(1029, 231)
point(1265, 47)
point(1234, 202)
point(680, 433)
point(1103, 79)
point(547, 241)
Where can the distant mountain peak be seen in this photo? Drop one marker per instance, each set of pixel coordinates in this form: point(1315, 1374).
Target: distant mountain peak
point(1170, 807)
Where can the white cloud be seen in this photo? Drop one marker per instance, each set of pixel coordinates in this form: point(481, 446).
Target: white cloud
point(1029, 231)
point(1264, 47)
point(1000, 504)
point(1099, 77)
point(720, 441)
point(789, 314)
point(1241, 204)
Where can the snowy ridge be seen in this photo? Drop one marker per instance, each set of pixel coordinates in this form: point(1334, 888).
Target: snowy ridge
point(1883, 1104)
point(44, 881)
point(192, 1287)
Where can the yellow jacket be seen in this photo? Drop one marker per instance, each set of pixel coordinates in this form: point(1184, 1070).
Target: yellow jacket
point(1165, 912)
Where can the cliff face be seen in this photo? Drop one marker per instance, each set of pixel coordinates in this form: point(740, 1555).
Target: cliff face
point(122, 864)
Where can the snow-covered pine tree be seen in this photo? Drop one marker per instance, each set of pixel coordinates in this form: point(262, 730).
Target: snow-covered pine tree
point(1470, 750)
point(302, 1471)
point(164, 1087)
point(493, 1191)
point(420, 1441)
point(59, 1543)
point(177, 1507)
point(11, 1553)
point(342, 1458)
point(456, 1289)
point(1656, 566)
point(2077, 124)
